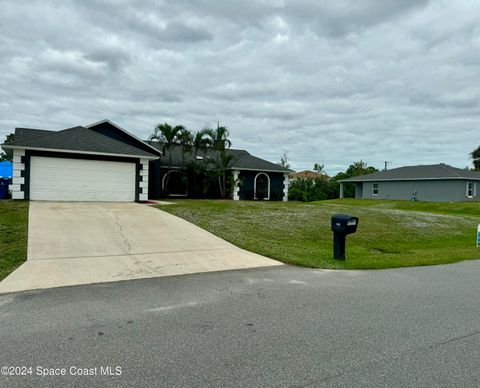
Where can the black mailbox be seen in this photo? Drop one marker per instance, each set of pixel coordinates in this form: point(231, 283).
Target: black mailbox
point(342, 225)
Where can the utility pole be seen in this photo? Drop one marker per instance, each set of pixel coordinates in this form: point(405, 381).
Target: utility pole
point(386, 165)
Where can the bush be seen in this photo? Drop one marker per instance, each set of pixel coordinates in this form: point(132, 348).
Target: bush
point(309, 189)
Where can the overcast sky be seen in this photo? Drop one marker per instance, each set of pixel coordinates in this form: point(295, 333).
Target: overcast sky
point(324, 81)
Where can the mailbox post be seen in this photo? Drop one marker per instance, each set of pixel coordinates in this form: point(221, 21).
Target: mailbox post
point(342, 225)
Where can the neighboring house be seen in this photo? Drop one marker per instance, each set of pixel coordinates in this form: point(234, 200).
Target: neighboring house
point(307, 174)
point(255, 178)
point(104, 162)
point(435, 183)
point(98, 162)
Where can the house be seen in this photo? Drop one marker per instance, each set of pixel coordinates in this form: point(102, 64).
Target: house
point(254, 178)
point(97, 162)
point(436, 183)
point(307, 174)
point(104, 162)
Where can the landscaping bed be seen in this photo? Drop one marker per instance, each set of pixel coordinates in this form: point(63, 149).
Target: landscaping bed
point(390, 233)
point(13, 235)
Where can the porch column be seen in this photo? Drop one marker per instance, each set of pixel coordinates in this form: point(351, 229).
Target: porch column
point(285, 188)
point(341, 189)
point(236, 188)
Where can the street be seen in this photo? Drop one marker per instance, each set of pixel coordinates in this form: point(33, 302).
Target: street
point(278, 326)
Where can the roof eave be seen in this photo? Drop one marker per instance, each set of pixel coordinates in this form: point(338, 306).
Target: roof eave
point(260, 169)
point(80, 152)
point(463, 178)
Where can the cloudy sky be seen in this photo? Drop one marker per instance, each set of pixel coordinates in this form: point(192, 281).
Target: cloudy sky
point(324, 81)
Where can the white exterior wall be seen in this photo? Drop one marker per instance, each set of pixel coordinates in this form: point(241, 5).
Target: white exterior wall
point(17, 180)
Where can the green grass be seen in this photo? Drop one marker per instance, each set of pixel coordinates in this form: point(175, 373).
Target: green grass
point(390, 233)
point(13, 235)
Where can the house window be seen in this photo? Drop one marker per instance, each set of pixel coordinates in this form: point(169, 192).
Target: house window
point(175, 183)
point(470, 189)
point(261, 186)
point(375, 189)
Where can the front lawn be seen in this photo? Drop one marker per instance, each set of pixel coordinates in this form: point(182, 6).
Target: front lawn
point(13, 235)
point(390, 233)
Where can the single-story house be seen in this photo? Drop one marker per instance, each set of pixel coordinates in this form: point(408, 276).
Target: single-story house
point(435, 183)
point(97, 162)
point(104, 162)
point(255, 178)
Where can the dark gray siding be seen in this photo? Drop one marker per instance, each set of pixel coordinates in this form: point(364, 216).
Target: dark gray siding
point(247, 179)
point(155, 179)
point(109, 130)
point(426, 190)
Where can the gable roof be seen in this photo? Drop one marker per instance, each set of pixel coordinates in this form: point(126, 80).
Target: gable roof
point(139, 142)
point(241, 159)
point(420, 172)
point(76, 140)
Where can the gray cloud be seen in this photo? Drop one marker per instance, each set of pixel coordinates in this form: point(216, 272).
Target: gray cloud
point(329, 82)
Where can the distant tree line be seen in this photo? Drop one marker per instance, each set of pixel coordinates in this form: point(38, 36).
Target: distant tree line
point(323, 187)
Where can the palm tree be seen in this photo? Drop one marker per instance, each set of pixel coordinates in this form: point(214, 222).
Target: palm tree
point(185, 139)
point(200, 144)
point(218, 139)
point(169, 137)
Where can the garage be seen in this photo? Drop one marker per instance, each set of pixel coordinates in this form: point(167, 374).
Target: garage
point(99, 162)
point(60, 179)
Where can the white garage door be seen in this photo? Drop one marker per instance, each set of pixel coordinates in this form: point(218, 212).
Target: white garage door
point(58, 179)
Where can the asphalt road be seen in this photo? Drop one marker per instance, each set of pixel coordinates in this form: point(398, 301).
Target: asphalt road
point(278, 326)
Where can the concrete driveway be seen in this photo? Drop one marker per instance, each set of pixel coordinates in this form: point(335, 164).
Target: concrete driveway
point(81, 243)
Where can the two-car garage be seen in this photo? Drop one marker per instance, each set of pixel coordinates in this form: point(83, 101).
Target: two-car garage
point(100, 162)
point(67, 179)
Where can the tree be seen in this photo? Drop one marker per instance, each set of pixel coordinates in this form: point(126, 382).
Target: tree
point(312, 189)
point(476, 158)
point(355, 169)
point(218, 140)
point(169, 137)
point(7, 154)
point(319, 168)
point(185, 140)
point(284, 161)
point(200, 145)
point(359, 168)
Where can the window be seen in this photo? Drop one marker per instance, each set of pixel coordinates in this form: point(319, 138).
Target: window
point(470, 190)
point(375, 189)
point(175, 183)
point(261, 186)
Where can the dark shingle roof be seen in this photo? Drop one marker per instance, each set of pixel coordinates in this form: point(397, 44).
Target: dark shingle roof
point(29, 132)
point(241, 159)
point(422, 172)
point(75, 139)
